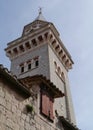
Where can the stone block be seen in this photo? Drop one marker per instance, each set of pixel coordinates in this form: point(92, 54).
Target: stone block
point(8, 97)
point(22, 122)
point(8, 105)
point(23, 116)
point(27, 126)
point(14, 109)
point(28, 119)
point(2, 101)
point(37, 126)
point(16, 127)
point(2, 93)
point(18, 112)
point(9, 123)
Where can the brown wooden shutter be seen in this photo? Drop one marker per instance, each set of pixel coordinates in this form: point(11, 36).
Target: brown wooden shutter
point(45, 103)
point(51, 108)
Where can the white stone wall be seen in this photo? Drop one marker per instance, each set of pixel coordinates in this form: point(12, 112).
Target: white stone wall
point(43, 68)
point(63, 105)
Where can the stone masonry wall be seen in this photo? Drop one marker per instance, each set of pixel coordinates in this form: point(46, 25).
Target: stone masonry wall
point(13, 113)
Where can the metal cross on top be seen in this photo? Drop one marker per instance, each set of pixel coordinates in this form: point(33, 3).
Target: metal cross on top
point(40, 10)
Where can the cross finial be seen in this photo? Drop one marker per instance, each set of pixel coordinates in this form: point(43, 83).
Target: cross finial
point(40, 10)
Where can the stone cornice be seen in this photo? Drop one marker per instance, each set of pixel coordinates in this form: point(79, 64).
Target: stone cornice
point(23, 38)
point(46, 33)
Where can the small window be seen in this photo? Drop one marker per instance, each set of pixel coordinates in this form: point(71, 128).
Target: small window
point(55, 66)
point(63, 76)
point(21, 48)
point(22, 69)
point(34, 43)
point(28, 45)
point(15, 50)
point(59, 71)
point(46, 35)
point(54, 42)
point(29, 66)
point(9, 52)
point(51, 36)
point(36, 63)
point(40, 38)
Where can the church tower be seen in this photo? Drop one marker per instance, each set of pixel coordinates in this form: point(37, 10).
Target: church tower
point(40, 52)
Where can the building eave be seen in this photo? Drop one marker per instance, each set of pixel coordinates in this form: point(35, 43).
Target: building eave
point(67, 123)
point(5, 74)
point(42, 79)
point(53, 28)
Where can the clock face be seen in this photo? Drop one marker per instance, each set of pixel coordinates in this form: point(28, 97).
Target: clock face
point(32, 28)
point(36, 26)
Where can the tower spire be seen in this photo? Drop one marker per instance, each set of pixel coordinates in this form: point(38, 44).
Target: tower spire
point(40, 16)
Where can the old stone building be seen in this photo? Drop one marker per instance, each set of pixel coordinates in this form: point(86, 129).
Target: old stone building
point(35, 95)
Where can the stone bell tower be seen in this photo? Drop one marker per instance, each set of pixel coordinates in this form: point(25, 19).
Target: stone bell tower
point(40, 51)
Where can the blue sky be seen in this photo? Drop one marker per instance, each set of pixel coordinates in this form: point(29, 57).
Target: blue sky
point(74, 21)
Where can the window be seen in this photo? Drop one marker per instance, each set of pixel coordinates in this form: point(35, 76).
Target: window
point(28, 45)
point(34, 43)
point(62, 76)
point(51, 36)
point(59, 71)
point(40, 38)
point(21, 48)
point(54, 42)
point(55, 66)
point(47, 105)
point(15, 50)
point(46, 35)
point(29, 66)
point(36, 63)
point(22, 69)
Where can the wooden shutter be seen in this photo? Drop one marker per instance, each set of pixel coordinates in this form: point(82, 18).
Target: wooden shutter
point(47, 105)
point(51, 108)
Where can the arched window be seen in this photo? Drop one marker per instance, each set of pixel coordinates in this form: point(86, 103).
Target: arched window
point(55, 65)
point(59, 71)
point(63, 76)
point(22, 68)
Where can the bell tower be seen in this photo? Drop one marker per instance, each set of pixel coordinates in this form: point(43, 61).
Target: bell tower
point(40, 51)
